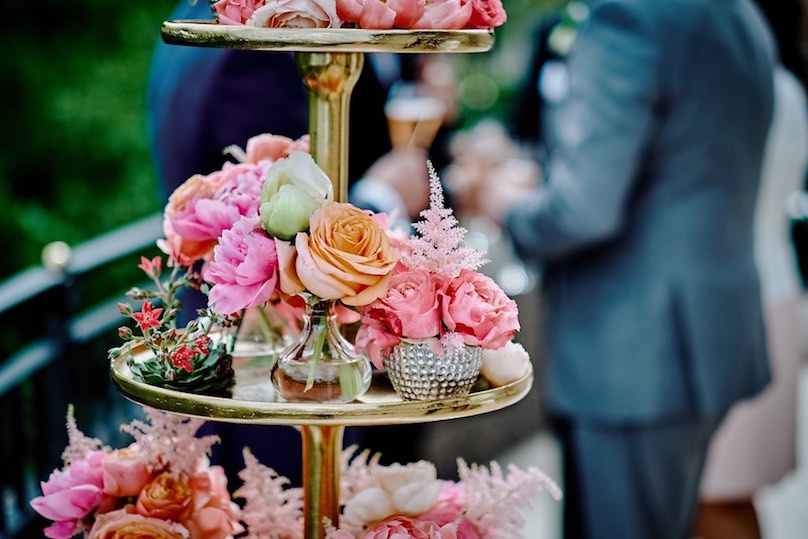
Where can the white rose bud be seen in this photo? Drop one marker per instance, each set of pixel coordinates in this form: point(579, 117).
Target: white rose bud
point(416, 498)
point(505, 365)
point(370, 505)
point(395, 476)
point(294, 189)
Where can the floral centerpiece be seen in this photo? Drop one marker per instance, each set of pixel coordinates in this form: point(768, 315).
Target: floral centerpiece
point(213, 247)
point(162, 485)
point(264, 231)
point(410, 501)
point(369, 14)
point(439, 312)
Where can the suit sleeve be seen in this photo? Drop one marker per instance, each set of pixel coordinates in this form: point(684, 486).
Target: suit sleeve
point(603, 129)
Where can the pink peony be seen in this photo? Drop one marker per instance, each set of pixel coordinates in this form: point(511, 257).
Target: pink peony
point(235, 11)
point(476, 307)
point(244, 271)
point(72, 494)
point(204, 206)
point(204, 218)
point(270, 148)
point(125, 473)
point(213, 515)
point(486, 14)
point(445, 15)
point(400, 527)
point(124, 523)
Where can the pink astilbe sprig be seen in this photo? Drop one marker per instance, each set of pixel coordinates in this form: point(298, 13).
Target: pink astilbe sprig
point(439, 247)
point(169, 442)
point(357, 470)
point(271, 511)
point(79, 445)
point(493, 498)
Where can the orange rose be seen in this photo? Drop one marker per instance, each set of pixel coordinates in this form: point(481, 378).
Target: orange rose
point(165, 497)
point(346, 255)
point(123, 524)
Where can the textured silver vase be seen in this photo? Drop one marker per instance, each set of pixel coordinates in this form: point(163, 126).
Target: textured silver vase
point(418, 374)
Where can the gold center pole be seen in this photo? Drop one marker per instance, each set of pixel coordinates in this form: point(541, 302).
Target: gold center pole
point(321, 466)
point(330, 78)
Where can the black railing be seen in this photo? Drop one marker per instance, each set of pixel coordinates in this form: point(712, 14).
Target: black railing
point(55, 354)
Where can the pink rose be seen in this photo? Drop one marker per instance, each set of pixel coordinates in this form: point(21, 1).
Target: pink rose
point(376, 14)
point(72, 494)
point(270, 148)
point(374, 340)
point(487, 14)
point(412, 300)
point(296, 14)
point(123, 524)
point(450, 507)
point(213, 515)
point(445, 15)
point(395, 527)
point(244, 271)
point(235, 11)
point(408, 12)
point(476, 307)
point(125, 474)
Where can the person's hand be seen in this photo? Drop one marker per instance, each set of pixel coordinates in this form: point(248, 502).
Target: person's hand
point(508, 183)
point(404, 169)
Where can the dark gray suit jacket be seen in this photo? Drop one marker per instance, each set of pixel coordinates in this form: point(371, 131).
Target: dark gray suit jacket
point(644, 224)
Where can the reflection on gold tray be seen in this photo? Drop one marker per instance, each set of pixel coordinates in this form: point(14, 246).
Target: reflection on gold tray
point(254, 401)
point(210, 34)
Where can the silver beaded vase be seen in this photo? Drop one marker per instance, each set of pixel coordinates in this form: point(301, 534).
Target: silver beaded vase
point(418, 374)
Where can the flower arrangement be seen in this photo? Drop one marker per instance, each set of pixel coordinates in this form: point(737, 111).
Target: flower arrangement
point(436, 295)
point(215, 245)
point(369, 14)
point(263, 231)
point(161, 486)
point(409, 501)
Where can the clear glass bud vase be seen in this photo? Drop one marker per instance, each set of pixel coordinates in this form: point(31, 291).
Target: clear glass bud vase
point(321, 365)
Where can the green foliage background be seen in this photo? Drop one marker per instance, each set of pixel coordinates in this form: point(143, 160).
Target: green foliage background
point(75, 160)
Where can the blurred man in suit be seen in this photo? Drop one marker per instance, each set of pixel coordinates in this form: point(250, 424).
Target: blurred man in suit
point(644, 231)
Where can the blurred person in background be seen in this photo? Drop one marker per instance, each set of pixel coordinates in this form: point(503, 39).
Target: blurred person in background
point(202, 100)
point(756, 444)
point(644, 230)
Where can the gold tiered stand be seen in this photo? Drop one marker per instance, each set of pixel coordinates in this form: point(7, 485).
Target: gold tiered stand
point(330, 61)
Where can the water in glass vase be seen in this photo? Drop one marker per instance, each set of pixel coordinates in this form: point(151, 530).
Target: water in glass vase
point(321, 365)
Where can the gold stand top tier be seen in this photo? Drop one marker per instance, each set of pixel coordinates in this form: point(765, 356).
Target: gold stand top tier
point(202, 33)
point(253, 400)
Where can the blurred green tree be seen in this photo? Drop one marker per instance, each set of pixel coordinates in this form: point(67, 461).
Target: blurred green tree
point(75, 160)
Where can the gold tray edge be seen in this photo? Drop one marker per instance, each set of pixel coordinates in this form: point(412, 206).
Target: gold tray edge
point(284, 413)
point(211, 34)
